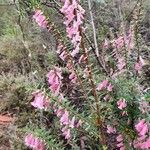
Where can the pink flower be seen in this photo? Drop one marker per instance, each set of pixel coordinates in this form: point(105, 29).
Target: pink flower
point(40, 101)
point(54, 80)
point(119, 138)
point(66, 132)
point(119, 43)
point(146, 144)
point(29, 139)
point(142, 127)
point(142, 143)
point(34, 142)
point(40, 18)
point(65, 118)
point(73, 77)
point(120, 144)
point(109, 87)
point(138, 66)
point(122, 148)
point(59, 112)
point(41, 146)
point(102, 85)
point(141, 138)
point(121, 104)
point(73, 22)
point(110, 129)
point(66, 4)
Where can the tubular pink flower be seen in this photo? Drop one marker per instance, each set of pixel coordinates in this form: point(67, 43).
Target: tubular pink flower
point(143, 141)
point(109, 87)
point(105, 85)
point(142, 127)
point(29, 140)
point(121, 104)
point(73, 77)
point(146, 144)
point(102, 85)
point(34, 142)
point(66, 132)
point(120, 144)
point(65, 118)
point(40, 101)
point(59, 112)
point(110, 129)
point(138, 66)
point(40, 19)
point(54, 80)
point(119, 138)
point(122, 148)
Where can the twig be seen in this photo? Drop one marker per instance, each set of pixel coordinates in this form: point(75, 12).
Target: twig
point(97, 58)
point(94, 30)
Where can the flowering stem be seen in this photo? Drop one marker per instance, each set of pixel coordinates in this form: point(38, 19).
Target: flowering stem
point(58, 37)
point(98, 121)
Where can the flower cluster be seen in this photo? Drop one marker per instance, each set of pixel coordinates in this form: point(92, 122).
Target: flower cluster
point(40, 101)
point(143, 141)
point(34, 142)
point(66, 122)
point(122, 41)
point(104, 85)
point(73, 13)
point(40, 19)
point(120, 144)
point(63, 55)
point(126, 41)
point(54, 80)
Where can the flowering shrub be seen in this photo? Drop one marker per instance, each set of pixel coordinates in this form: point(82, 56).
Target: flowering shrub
point(89, 104)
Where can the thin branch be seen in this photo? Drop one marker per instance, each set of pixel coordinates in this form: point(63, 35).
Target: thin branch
point(97, 58)
point(94, 30)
